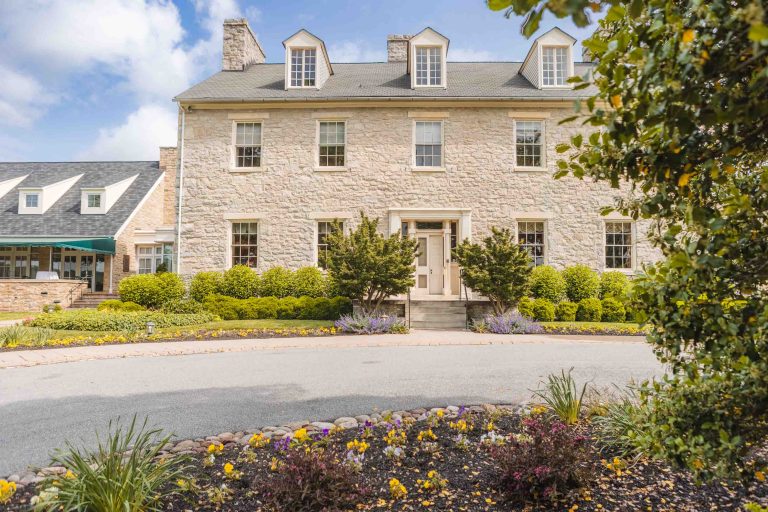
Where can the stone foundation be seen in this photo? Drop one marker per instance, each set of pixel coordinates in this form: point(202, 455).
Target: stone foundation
point(32, 295)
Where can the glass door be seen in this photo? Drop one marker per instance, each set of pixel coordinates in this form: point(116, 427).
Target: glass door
point(98, 281)
point(69, 267)
point(86, 270)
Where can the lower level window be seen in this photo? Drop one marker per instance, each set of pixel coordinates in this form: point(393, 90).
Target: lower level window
point(154, 257)
point(530, 236)
point(325, 228)
point(618, 245)
point(245, 249)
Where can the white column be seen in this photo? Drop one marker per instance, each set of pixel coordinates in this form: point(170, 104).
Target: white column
point(446, 257)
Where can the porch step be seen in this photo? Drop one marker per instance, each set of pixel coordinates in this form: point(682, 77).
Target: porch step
point(92, 300)
point(438, 314)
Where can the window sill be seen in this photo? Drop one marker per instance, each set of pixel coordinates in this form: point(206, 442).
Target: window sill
point(415, 168)
point(319, 168)
point(627, 271)
point(245, 170)
point(531, 169)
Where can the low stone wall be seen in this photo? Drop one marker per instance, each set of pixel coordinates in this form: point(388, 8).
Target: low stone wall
point(32, 295)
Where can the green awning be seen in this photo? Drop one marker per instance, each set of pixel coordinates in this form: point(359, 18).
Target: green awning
point(97, 245)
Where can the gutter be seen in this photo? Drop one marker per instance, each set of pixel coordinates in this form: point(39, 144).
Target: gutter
point(375, 98)
point(181, 191)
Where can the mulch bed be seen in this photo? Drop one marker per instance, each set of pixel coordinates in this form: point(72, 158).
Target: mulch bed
point(471, 479)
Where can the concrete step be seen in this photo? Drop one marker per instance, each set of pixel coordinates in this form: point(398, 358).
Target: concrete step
point(461, 316)
point(431, 324)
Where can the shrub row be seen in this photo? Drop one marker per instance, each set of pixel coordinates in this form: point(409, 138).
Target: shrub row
point(255, 308)
point(586, 310)
point(242, 282)
point(106, 320)
point(577, 283)
point(151, 290)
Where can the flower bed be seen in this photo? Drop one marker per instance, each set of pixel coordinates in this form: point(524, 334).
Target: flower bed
point(594, 328)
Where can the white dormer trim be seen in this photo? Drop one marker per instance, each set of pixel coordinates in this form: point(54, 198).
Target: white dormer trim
point(428, 38)
point(533, 65)
point(108, 196)
point(46, 196)
point(8, 185)
point(304, 40)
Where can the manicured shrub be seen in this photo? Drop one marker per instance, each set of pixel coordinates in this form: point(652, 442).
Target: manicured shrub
point(286, 308)
point(370, 324)
point(89, 320)
point(547, 283)
point(277, 282)
point(118, 305)
point(257, 308)
point(590, 310)
point(614, 284)
point(240, 282)
point(525, 307)
point(566, 311)
point(204, 284)
point(309, 282)
point(182, 306)
point(543, 310)
point(151, 290)
point(612, 310)
point(581, 282)
point(509, 323)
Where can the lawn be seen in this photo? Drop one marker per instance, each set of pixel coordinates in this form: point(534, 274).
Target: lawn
point(16, 315)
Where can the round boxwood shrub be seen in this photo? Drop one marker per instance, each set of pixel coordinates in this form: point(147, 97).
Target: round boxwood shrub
point(171, 286)
point(525, 307)
point(543, 310)
point(614, 284)
point(590, 310)
point(240, 282)
point(151, 290)
point(309, 282)
point(613, 310)
point(547, 283)
point(581, 282)
point(566, 311)
point(277, 282)
point(204, 284)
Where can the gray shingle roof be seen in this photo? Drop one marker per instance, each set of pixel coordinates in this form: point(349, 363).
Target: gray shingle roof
point(64, 218)
point(264, 82)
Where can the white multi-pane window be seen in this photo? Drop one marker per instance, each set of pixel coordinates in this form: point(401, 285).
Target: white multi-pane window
point(429, 143)
point(332, 142)
point(429, 66)
point(529, 143)
point(554, 65)
point(152, 257)
point(245, 249)
point(31, 200)
point(303, 67)
point(618, 244)
point(145, 257)
point(325, 228)
point(94, 200)
point(248, 145)
point(530, 236)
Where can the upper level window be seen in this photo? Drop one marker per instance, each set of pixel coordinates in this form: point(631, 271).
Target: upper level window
point(429, 143)
point(530, 236)
point(303, 64)
point(554, 65)
point(332, 142)
point(618, 244)
point(429, 66)
point(325, 228)
point(248, 145)
point(245, 249)
point(31, 200)
point(94, 200)
point(529, 143)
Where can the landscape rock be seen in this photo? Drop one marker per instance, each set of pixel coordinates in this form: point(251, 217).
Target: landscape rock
point(185, 445)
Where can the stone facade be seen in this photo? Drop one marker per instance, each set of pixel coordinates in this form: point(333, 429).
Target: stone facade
point(397, 47)
point(169, 160)
point(241, 49)
point(289, 192)
point(31, 295)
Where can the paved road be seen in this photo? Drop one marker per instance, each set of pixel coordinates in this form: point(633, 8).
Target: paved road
point(204, 394)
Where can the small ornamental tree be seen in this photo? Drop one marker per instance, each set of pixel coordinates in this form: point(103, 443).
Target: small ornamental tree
point(368, 267)
point(497, 268)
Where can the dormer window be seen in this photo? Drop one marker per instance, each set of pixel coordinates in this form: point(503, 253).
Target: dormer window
point(31, 200)
point(303, 67)
point(429, 65)
point(427, 53)
point(554, 65)
point(94, 200)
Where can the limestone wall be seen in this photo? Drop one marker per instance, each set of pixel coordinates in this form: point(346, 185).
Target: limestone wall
point(32, 295)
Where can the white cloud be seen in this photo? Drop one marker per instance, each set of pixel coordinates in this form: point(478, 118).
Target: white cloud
point(22, 98)
point(355, 51)
point(470, 55)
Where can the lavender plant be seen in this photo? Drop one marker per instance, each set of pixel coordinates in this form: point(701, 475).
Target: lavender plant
point(370, 324)
point(508, 323)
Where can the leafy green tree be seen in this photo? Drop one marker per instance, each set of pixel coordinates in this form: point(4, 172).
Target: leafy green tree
point(681, 115)
point(368, 267)
point(497, 268)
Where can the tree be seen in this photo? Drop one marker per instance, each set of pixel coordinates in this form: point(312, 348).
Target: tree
point(498, 268)
point(681, 115)
point(367, 267)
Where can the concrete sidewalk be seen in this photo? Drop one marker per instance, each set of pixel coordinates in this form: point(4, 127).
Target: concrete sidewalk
point(415, 338)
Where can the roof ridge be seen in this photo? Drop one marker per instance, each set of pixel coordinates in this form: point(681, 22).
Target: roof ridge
point(85, 162)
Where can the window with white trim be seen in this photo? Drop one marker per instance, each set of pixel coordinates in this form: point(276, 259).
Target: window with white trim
point(530, 236)
point(332, 143)
point(554, 65)
point(31, 200)
point(529, 143)
point(94, 200)
point(152, 257)
point(324, 229)
point(618, 244)
point(247, 145)
point(245, 247)
point(303, 66)
point(429, 143)
point(429, 65)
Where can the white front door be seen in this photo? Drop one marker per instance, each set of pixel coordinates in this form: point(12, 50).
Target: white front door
point(435, 261)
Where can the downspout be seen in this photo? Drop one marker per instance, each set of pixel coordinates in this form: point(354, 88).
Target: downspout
point(181, 192)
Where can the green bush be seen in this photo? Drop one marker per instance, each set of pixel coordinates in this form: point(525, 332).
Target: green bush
point(613, 310)
point(277, 282)
point(239, 282)
point(566, 311)
point(547, 283)
point(525, 307)
point(581, 282)
point(89, 320)
point(151, 290)
point(614, 284)
point(204, 284)
point(118, 305)
point(543, 310)
point(255, 308)
point(590, 310)
point(182, 306)
point(309, 282)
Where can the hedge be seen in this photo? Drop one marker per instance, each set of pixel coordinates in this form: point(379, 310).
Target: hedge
point(547, 283)
point(240, 282)
point(277, 282)
point(543, 310)
point(118, 305)
point(614, 284)
point(89, 320)
point(581, 282)
point(525, 307)
point(204, 284)
point(590, 310)
point(151, 290)
point(566, 311)
point(613, 310)
point(304, 308)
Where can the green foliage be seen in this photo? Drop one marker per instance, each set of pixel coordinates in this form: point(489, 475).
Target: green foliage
point(125, 473)
point(612, 310)
point(367, 267)
point(89, 320)
point(309, 282)
point(239, 282)
point(118, 305)
point(590, 310)
point(614, 284)
point(15, 335)
point(289, 308)
point(566, 311)
point(182, 306)
point(547, 283)
point(525, 307)
point(562, 396)
point(204, 284)
point(618, 426)
point(543, 310)
point(497, 268)
point(151, 290)
point(276, 282)
point(581, 282)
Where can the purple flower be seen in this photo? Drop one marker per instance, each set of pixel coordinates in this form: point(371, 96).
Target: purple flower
point(367, 324)
point(509, 323)
point(541, 471)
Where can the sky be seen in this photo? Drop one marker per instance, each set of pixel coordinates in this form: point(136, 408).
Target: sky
point(95, 79)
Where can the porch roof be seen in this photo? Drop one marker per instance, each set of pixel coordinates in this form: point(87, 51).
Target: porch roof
point(103, 245)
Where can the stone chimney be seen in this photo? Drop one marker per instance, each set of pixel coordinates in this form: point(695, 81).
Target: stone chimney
point(169, 162)
point(397, 47)
point(241, 49)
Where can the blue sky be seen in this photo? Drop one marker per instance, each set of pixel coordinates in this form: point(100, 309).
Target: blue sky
point(94, 79)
